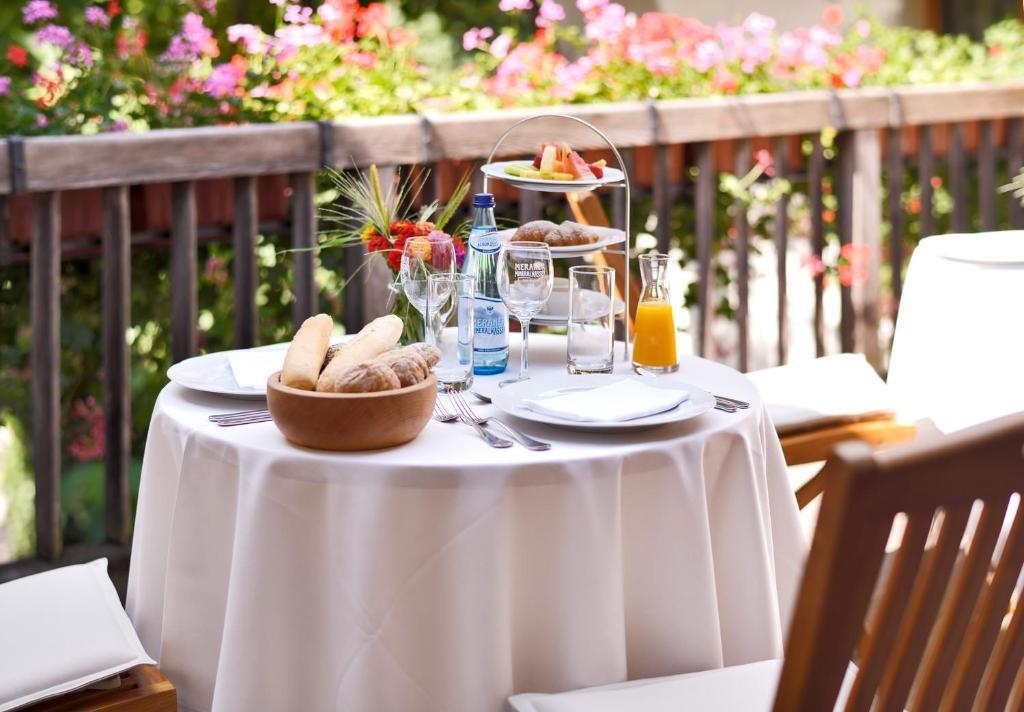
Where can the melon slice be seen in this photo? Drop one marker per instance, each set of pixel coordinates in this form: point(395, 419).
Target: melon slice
point(578, 167)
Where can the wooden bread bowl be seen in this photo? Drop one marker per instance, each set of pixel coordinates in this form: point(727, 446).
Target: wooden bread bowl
point(351, 421)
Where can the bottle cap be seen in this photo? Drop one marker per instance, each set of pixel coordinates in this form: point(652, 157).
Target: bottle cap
point(483, 200)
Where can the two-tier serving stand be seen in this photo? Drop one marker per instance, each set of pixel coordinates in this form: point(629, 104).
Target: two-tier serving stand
point(622, 315)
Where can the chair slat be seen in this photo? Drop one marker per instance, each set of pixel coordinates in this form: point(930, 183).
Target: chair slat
point(244, 264)
point(882, 630)
point(816, 174)
point(987, 177)
point(303, 239)
point(897, 220)
point(780, 236)
point(925, 172)
point(742, 227)
point(45, 305)
point(958, 177)
point(116, 362)
point(707, 189)
point(922, 611)
point(184, 277)
point(1015, 159)
point(984, 643)
point(957, 610)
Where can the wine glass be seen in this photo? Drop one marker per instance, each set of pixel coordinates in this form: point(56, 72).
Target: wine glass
point(423, 256)
point(525, 277)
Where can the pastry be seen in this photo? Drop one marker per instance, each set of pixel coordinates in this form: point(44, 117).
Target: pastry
point(408, 365)
point(575, 234)
point(430, 353)
point(375, 338)
point(366, 377)
point(535, 231)
point(306, 353)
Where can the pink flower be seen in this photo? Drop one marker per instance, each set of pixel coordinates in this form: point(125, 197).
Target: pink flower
point(758, 25)
point(36, 10)
point(97, 17)
point(586, 6)
point(277, 2)
point(366, 60)
point(297, 15)
point(765, 161)
point(250, 36)
point(193, 30)
point(41, 121)
point(80, 54)
point(863, 27)
point(119, 126)
point(706, 56)
point(852, 77)
point(54, 34)
point(5, 86)
point(514, 5)
point(607, 22)
point(224, 79)
point(475, 37)
point(500, 46)
point(550, 13)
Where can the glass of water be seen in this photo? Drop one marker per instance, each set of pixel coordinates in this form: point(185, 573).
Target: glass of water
point(525, 278)
point(591, 343)
point(423, 256)
point(449, 317)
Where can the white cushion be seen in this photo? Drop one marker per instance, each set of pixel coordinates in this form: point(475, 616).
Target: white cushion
point(749, 688)
point(62, 630)
point(830, 389)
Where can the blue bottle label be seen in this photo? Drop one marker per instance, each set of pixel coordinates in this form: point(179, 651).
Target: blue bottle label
point(484, 240)
point(491, 325)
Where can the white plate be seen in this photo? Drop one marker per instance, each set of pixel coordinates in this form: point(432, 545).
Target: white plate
point(496, 171)
point(607, 236)
point(509, 400)
point(211, 373)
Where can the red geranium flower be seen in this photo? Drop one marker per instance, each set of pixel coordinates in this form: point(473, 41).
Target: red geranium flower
point(17, 55)
point(402, 228)
point(377, 243)
point(395, 256)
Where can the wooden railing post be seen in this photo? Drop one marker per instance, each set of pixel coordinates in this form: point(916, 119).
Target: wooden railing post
point(742, 226)
point(45, 295)
point(303, 239)
point(116, 365)
point(815, 200)
point(245, 273)
point(184, 278)
point(707, 189)
point(861, 225)
point(780, 237)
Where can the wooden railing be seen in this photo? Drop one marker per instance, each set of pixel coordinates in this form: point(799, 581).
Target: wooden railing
point(46, 166)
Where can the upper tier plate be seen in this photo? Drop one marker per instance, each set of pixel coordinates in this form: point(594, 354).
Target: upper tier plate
point(496, 171)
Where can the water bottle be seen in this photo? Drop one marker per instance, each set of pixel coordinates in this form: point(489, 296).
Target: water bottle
point(490, 318)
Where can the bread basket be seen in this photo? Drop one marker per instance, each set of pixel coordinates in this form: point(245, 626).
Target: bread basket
point(351, 421)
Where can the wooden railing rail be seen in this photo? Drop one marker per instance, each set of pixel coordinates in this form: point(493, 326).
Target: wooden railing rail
point(687, 130)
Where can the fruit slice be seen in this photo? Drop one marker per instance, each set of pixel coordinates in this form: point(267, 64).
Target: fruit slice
point(579, 168)
point(540, 154)
point(517, 171)
point(548, 158)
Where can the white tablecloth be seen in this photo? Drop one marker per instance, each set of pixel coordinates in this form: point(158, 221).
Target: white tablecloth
point(445, 575)
point(958, 355)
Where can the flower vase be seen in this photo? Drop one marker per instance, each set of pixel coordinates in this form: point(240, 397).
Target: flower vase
point(413, 322)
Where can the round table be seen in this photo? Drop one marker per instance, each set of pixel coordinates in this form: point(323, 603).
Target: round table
point(958, 353)
point(444, 575)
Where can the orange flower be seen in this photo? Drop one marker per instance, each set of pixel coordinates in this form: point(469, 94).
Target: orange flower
point(368, 233)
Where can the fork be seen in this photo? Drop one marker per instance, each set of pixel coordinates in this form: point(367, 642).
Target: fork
point(443, 415)
point(242, 417)
point(525, 440)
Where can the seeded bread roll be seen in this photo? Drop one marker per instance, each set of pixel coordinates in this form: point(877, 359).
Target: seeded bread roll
point(375, 338)
point(306, 353)
point(368, 377)
point(409, 367)
point(431, 354)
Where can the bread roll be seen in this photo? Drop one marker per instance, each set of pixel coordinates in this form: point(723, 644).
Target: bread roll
point(375, 338)
point(306, 353)
point(332, 351)
point(431, 354)
point(407, 364)
point(367, 377)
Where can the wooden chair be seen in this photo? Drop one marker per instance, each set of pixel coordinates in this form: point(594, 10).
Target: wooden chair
point(931, 633)
point(141, 689)
point(800, 445)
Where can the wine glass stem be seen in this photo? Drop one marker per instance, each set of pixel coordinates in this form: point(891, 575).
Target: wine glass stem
point(524, 357)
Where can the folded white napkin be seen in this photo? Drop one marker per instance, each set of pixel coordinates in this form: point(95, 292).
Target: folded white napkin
point(622, 400)
point(253, 367)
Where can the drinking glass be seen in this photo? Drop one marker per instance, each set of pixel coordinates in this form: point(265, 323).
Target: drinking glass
point(423, 256)
point(450, 325)
point(525, 277)
point(590, 347)
point(654, 343)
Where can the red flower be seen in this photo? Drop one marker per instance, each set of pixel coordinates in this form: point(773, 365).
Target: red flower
point(17, 55)
point(377, 243)
point(422, 229)
point(113, 8)
point(460, 250)
point(373, 20)
point(395, 255)
point(402, 228)
point(765, 160)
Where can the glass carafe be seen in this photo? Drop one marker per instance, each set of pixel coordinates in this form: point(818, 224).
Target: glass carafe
point(654, 343)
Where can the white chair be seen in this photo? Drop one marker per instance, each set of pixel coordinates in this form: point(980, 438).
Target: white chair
point(67, 644)
point(930, 633)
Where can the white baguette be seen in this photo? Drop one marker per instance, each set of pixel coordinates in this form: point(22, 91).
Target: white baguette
point(375, 338)
point(306, 353)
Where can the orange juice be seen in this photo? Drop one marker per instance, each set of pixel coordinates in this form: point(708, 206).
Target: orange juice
point(655, 341)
